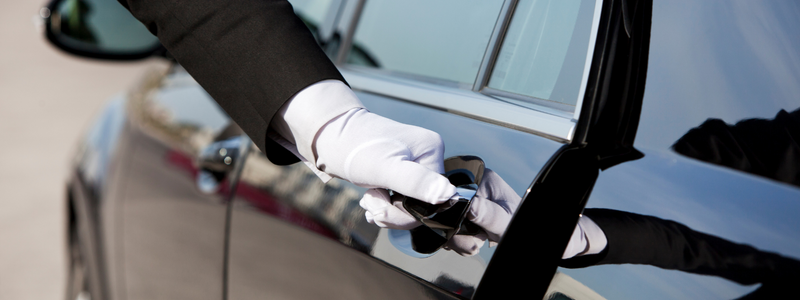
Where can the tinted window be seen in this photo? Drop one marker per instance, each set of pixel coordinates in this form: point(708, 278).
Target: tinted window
point(439, 39)
point(544, 51)
point(312, 11)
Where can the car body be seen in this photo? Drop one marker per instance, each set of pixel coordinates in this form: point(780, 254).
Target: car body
point(154, 214)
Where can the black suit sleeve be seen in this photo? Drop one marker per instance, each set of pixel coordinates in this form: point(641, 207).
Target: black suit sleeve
point(647, 240)
point(769, 148)
point(251, 56)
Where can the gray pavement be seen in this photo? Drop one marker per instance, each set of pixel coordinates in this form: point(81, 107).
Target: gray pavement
point(46, 99)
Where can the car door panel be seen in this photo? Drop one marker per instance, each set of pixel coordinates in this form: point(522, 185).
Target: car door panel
point(172, 234)
point(275, 259)
point(327, 218)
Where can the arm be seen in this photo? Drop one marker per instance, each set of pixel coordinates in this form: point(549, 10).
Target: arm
point(251, 56)
point(648, 240)
point(264, 68)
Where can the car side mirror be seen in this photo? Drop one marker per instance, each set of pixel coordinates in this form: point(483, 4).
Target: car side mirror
point(101, 29)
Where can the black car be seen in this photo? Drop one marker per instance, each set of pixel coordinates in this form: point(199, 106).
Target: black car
point(673, 124)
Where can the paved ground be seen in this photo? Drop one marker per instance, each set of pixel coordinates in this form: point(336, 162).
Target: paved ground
point(46, 99)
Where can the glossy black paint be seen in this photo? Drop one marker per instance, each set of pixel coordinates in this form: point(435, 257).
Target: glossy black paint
point(726, 60)
point(93, 163)
point(603, 138)
point(134, 191)
point(149, 233)
point(268, 193)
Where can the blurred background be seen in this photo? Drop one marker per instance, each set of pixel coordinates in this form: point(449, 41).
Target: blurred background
point(46, 99)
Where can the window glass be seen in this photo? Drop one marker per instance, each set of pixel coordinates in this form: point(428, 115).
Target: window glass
point(543, 54)
point(311, 11)
point(313, 14)
point(443, 39)
point(317, 15)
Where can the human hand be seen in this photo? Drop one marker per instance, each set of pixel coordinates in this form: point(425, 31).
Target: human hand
point(327, 126)
point(378, 153)
point(491, 209)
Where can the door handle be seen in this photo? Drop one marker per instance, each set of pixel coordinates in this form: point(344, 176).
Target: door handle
point(217, 160)
point(440, 222)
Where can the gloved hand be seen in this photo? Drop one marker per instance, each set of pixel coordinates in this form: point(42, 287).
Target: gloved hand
point(375, 152)
point(336, 136)
point(491, 209)
point(328, 128)
point(587, 238)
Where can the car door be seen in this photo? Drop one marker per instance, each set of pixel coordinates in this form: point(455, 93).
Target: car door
point(151, 184)
point(506, 81)
point(170, 210)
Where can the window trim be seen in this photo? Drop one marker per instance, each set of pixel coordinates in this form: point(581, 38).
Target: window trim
point(544, 105)
point(347, 39)
point(541, 117)
point(327, 28)
point(573, 111)
point(495, 42)
point(598, 10)
point(462, 102)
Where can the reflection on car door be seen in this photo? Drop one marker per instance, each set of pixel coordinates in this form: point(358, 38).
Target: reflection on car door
point(172, 233)
point(292, 236)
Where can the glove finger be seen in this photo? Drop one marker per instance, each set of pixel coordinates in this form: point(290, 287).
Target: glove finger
point(493, 187)
point(414, 180)
point(490, 216)
point(369, 217)
point(577, 244)
point(466, 245)
point(429, 150)
point(381, 212)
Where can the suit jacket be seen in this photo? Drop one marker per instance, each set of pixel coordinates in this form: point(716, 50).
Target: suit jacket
point(251, 56)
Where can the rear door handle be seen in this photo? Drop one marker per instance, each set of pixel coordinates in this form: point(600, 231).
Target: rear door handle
point(217, 160)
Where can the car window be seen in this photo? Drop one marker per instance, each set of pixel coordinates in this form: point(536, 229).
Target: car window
point(544, 52)
point(313, 11)
point(437, 39)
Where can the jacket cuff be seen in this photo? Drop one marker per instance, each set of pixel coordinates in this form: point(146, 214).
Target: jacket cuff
point(292, 148)
point(300, 119)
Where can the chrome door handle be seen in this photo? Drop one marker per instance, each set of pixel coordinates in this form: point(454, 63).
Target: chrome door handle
point(220, 156)
point(217, 160)
point(441, 222)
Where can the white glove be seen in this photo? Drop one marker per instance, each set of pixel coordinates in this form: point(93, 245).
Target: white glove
point(491, 209)
point(587, 238)
point(328, 128)
point(375, 152)
point(337, 136)
point(493, 205)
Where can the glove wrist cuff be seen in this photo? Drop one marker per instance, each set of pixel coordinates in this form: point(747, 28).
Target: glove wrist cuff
point(302, 117)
